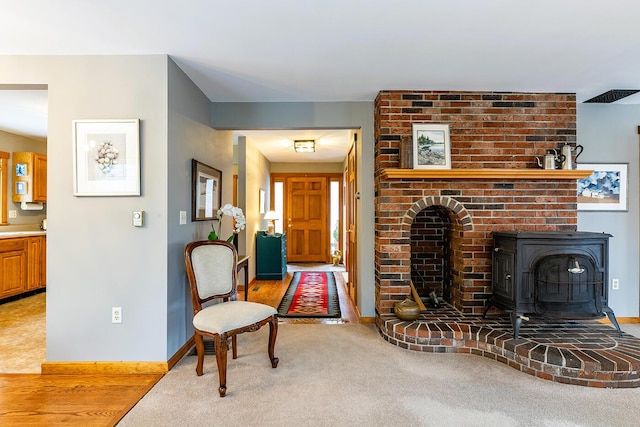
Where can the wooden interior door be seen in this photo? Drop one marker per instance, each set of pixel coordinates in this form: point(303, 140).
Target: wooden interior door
point(307, 207)
point(352, 238)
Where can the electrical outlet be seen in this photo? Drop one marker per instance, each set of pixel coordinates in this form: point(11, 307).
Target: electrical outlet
point(116, 314)
point(13, 214)
point(615, 284)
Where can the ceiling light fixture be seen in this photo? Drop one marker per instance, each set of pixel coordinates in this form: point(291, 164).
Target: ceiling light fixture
point(304, 146)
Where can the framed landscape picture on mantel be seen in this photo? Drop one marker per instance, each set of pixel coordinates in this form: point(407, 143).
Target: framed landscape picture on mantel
point(605, 189)
point(431, 146)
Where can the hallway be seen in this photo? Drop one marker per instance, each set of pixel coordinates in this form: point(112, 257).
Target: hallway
point(270, 292)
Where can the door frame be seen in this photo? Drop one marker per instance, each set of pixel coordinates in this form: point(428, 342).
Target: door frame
point(331, 177)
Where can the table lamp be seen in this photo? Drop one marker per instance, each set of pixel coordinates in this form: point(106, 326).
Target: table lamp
point(271, 216)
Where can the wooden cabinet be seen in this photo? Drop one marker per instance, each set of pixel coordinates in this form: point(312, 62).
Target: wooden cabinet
point(36, 256)
point(22, 265)
point(29, 177)
point(271, 256)
point(13, 267)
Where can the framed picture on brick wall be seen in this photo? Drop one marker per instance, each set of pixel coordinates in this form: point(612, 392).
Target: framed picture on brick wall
point(431, 146)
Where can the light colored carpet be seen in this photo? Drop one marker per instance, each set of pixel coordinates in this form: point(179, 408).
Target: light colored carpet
point(347, 375)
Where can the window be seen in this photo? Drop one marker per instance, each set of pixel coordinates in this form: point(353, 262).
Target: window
point(278, 204)
point(334, 221)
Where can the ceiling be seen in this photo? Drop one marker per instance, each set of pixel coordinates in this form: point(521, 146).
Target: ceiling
point(347, 50)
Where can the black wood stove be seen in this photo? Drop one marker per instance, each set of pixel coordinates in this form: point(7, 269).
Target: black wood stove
point(552, 274)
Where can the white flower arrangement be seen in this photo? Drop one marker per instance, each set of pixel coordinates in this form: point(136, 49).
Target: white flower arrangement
point(239, 222)
point(107, 157)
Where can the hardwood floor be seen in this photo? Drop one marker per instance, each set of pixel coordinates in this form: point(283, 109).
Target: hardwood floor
point(102, 400)
point(70, 400)
point(271, 291)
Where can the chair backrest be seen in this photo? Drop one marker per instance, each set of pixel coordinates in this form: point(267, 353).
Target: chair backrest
point(211, 269)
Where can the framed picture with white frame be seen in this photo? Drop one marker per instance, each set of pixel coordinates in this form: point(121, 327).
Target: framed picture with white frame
point(606, 189)
point(431, 146)
point(106, 157)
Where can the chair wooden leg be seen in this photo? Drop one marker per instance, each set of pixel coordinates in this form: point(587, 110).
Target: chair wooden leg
point(221, 358)
point(273, 333)
point(199, 352)
point(234, 346)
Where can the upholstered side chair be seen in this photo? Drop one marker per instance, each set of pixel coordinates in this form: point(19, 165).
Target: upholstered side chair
point(211, 269)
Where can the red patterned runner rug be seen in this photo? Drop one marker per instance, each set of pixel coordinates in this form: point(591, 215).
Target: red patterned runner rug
point(311, 294)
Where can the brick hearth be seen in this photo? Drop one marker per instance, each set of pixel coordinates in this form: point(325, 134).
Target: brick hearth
point(442, 226)
point(585, 352)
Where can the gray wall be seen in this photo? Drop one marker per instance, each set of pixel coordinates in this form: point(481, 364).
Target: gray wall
point(328, 115)
point(307, 168)
point(96, 259)
point(189, 137)
point(253, 175)
point(609, 134)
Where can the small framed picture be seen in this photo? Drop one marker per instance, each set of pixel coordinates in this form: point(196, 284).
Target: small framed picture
point(206, 191)
point(606, 189)
point(21, 187)
point(21, 169)
point(431, 146)
point(262, 201)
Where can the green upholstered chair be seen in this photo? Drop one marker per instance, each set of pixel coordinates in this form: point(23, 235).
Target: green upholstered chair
point(211, 268)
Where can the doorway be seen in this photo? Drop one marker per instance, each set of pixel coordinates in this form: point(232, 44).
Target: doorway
point(305, 189)
point(350, 214)
point(23, 128)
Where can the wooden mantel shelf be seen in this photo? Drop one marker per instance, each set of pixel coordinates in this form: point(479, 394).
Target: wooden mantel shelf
point(485, 174)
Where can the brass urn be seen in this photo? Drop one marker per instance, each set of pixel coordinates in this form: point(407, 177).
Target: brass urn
point(407, 309)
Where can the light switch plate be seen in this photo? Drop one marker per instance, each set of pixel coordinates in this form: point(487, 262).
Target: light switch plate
point(183, 217)
point(138, 218)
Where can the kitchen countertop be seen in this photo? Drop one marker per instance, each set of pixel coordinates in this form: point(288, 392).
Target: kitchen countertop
point(27, 233)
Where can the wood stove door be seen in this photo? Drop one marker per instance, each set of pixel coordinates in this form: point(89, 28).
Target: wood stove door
point(568, 284)
point(504, 291)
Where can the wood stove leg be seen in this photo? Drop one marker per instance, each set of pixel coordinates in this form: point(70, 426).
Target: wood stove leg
point(487, 307)
point(612, 319)
point(516, 321)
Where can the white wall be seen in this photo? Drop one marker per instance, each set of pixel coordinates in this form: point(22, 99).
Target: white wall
point(328, 115)
point(609, 134)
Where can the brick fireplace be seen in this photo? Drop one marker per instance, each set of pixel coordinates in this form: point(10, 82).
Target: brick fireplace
point(438, 223)
point(456, 215)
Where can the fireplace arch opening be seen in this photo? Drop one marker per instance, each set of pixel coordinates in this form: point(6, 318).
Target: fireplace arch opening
point(440, 261)
point(431, 235)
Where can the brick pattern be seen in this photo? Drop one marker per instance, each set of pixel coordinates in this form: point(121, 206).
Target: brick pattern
point(585, 353)
point(487, 130)
point(430, 252)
